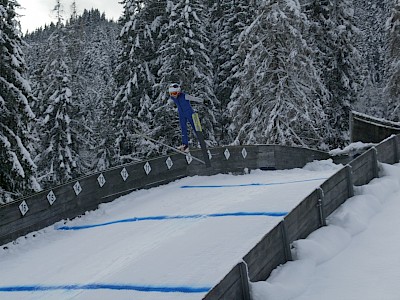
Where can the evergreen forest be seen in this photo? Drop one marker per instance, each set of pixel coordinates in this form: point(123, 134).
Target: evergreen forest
point(74, 94)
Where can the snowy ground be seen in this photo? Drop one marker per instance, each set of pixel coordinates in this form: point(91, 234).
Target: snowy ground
point(177, 241)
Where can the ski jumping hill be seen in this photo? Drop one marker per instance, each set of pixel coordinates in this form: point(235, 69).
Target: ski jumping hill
point(198, 234)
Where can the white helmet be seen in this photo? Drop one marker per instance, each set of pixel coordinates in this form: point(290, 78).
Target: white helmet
point(174, 88)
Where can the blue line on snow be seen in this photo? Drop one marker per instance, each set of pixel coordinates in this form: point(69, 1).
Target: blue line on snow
point(160, 218)
point(160, 289)
point(245, 184)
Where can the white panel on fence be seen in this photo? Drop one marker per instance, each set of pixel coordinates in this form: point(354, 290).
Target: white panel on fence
point(169, 163)
point(51, 197)
point(101, 180)
point(77, 188)
point(124, 174)
point(147, 168)
point(227, 154)
point(244, 153)
point(189, 158)
point(23, 208)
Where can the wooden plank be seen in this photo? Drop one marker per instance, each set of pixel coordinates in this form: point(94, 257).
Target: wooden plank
point(266, 157)
point(62, 193)
point(386, 151)
point(241, 158)
point(364, 159)
point(335, 198)
point(294, 157)
point(35, 222)
point(336, 190)
point(334, 180)
point(235, 163)
point(37, 204)
point(370, 130)
point(363, 167)
point(397, 148)
point(363, 176)
point(229, 288)
point(304, 218)
point(266, 255)
point(159, 174)
point(9, 213)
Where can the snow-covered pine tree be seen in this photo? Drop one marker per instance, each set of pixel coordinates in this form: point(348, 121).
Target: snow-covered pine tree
point(321, 36)
point(35, 48)
point(100, 54)
point(229, 19)
point(75, 40)
point(59, 160)
point(135, 77)
point(184, 58)
point(392, 88)
point(373, 48)
point(278, 100)
point(17, 171)
point(343, 78)
point(93, 48)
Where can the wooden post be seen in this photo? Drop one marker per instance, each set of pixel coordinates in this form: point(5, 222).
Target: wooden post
point(244, 281)
point(375, 163)
point(396, 148)
point(320, 204)
point(351, 126)
point(350, 182)
point(286, 245)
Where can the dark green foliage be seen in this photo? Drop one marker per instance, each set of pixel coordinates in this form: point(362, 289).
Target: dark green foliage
point(89, 51)
point(392, 89)
point(17, 168)
point(229, 19)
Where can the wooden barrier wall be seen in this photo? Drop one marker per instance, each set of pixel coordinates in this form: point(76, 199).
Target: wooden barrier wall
point(86, 193)
point(368, 129)
point(274, 248)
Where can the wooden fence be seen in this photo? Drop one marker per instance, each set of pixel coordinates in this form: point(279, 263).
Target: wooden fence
point(274, 248)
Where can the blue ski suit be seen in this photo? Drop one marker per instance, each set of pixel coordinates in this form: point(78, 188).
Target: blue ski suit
point(185, 112)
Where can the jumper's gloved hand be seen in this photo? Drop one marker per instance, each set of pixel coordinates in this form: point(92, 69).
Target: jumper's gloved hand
point(170, 102)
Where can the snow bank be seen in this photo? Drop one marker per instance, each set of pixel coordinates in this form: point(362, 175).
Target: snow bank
point(354, 214)
point(382, 187)
point(353, 148)
point(292, 279)
point(321, 245)
point(285, 281)
point(322, 165)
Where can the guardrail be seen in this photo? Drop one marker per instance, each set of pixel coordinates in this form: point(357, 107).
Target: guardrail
point(86, 193)
point(274, 248)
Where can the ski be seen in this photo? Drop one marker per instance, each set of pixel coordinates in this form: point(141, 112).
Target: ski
point(169, 147)
point(200, 136)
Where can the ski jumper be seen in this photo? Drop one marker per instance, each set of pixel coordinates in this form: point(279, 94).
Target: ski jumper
point(185, 112)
